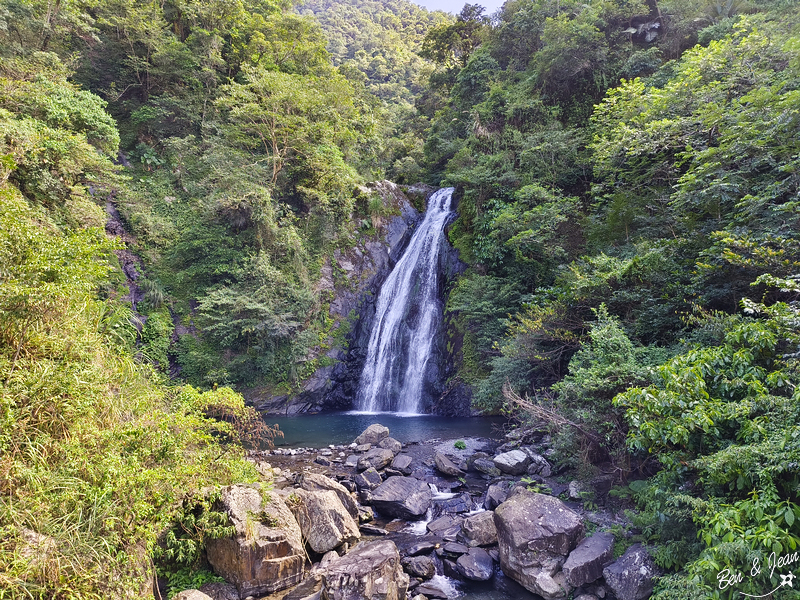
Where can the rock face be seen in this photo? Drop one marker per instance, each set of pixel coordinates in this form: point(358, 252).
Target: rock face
point(631, 577)
point(261, 557)
point(585, 563)
point(372, 434)
point(535, 533)
point(323, 519)
point(480, 530)
point(402, 497)
point(370, 571)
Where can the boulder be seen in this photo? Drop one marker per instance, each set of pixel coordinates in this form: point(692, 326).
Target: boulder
point(432, 590)
point(535, 533)
point(390, 443)
point(631, 577)
point(315, 482)
point(402, 462)
point(455, 548)
point(370, 571)
point(479, 530)
point(515, 462)
point(496, 494)
point(419, 566)
point(457, 504)
point(484, 465)
point(376, 458)
point(585, 564)
point(368, 480)
point(446, 466)
point(220, 591)
point(265, 554)
point(539, 464)
point(372, 434)
point(476, 565)
point(192, 595)
point(446, 527)
point(402, 497)
point(323, 519)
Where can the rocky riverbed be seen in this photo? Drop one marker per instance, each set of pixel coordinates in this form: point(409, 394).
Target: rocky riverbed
point(381, 521)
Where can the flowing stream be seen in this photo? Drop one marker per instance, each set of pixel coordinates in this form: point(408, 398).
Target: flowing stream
point(407, 317)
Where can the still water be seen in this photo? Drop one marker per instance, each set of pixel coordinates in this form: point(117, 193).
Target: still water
point(343, 427)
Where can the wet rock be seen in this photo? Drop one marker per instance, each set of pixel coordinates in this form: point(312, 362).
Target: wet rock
point(316, 482)
point(391, 444)
point(446, 466)
point(192, 595)
point(368, 480)
point(421, 547)
point(585, 564)
point(372, 434)
point(261, 557)
point(484, 465)
point(479, 530)
point(402, 497)
point(402, 462)
point(377, 458)
point(323, 519)
point(455, 548)
point(496, 494)
point(631, 577)
point(373, 530)
point(431, 589)
point(220, 591)
point(444, 525)
point(457, 504)
point(514, 463)
point(419, 566)
point(476, 565)
point(370, 571)
point(535, 533)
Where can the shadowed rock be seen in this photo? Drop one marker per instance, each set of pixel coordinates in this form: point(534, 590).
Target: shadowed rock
point(402, 497)
point(370, 571)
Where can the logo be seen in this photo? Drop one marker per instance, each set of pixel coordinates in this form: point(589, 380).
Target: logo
point(729, 579)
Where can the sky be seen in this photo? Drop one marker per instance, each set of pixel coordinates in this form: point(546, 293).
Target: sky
point(455, 6)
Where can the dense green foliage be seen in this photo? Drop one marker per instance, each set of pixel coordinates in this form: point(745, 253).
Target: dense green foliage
point(627, 175)
point(628, 211)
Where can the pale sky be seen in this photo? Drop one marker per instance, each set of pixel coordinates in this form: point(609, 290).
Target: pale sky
point(455, 6)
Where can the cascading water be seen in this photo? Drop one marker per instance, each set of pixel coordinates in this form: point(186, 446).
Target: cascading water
point(407, 316)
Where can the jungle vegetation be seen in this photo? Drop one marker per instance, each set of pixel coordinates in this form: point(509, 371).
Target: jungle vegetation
point(628, 180)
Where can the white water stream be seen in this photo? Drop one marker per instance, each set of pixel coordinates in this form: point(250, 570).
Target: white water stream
point(407, 317)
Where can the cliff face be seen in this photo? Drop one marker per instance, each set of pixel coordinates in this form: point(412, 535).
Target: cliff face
point(351, 278)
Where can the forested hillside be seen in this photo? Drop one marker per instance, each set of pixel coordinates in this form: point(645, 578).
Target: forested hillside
point(628, 176)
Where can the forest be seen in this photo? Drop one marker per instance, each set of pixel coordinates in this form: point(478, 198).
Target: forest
point(628, 183)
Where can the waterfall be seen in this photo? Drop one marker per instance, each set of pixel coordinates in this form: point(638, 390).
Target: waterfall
point(407, 316)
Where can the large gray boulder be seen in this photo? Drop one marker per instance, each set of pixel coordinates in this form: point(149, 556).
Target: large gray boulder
point(370, 571)
point(535, 533)
point(419, 566)
point(476, 565)
point(372, 434)
point(368, 480)
point(515, 462)
point(480, 530)
point(266, 553)
point(402, 463)
point(390, 443)
point(631, 577)
point(315, 482)
point(402, 497)
point(323, 519)
point(585, 564)
point(486, 466)
point(375, 458)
